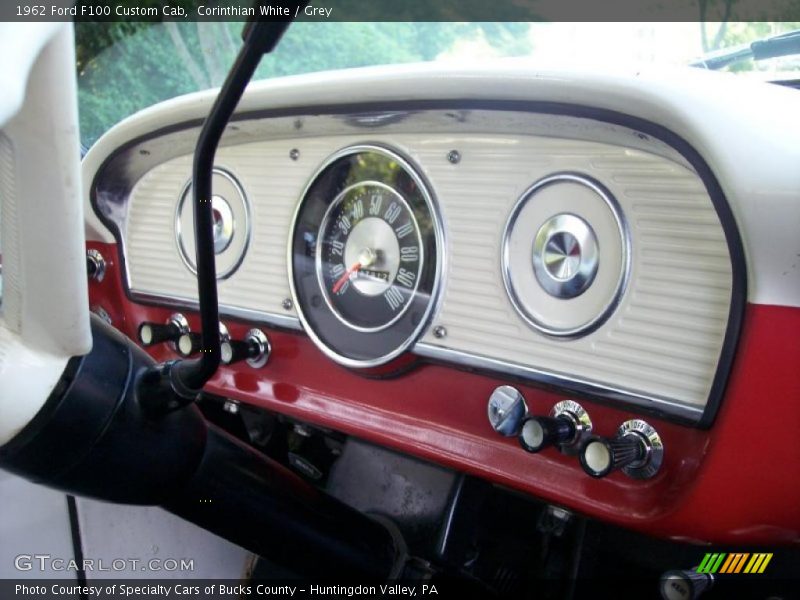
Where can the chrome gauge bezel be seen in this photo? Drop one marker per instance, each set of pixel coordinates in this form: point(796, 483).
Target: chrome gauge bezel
point(624, 238)
point(436, 262)
point(187, 260)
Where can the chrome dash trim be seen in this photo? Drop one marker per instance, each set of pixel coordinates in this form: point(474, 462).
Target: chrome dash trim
point(245, 314)
point(559, 380)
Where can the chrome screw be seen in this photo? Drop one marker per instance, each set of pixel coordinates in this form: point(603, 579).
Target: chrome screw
point(287, 304)
point(439, 332)
point(454, 156)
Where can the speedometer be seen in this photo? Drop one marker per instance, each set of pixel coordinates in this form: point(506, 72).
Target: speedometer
point(365, 256)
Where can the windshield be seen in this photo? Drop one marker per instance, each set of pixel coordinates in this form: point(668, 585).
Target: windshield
point(125, 67)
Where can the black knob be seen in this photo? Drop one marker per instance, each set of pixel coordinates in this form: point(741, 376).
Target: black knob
point(235, 350)
point(599, 456)
point(189, 343)
point(538, 433)
point(155, 333)
point(684, 585)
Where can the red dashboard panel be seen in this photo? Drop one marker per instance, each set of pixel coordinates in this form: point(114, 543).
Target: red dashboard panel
point(727, 485)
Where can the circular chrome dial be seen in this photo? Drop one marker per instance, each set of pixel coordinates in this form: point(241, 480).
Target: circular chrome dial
point(365, 256)
point(231, 224)
point(565, 256)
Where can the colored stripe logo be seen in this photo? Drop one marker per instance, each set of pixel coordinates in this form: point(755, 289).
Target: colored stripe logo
point(735, 562)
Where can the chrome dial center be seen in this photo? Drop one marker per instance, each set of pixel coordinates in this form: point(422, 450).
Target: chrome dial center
point(562, 255)
point(565, 256)
point(374, 245)
point(223, 223)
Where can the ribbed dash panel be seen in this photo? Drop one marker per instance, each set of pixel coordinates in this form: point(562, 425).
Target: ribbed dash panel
point(663, 340)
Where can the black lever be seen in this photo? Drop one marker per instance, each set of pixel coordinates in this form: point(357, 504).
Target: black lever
point(185, 378)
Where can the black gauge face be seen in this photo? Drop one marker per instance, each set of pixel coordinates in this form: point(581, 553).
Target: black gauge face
point(370, 257)
point(365, 256)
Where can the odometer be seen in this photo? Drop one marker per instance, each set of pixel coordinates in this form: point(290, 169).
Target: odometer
point(365, 256)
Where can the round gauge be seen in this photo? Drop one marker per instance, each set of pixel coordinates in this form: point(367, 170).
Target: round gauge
point(365, 256)
point(231, 213)
point(566, 255)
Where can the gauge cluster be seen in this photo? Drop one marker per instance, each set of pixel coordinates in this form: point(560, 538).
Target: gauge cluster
point(365, 256)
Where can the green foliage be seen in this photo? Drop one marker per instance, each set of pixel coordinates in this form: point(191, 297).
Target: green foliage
point(124, 67)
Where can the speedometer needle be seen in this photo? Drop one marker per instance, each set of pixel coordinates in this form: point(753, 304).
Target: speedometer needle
point(341, 281)
point(365, 259)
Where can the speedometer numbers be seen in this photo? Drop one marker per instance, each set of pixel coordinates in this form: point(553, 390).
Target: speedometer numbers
point(371, 256)
point(365, 255)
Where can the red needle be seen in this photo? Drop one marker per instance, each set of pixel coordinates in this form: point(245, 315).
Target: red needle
point(340, 282)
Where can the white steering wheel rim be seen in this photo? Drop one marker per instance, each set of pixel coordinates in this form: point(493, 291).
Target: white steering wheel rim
point(45, 308)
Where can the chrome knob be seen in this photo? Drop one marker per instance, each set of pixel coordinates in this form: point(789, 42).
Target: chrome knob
point(506, 410)
point(565, 256)
point(636, 449)
point(95, 265)
point(685, 584)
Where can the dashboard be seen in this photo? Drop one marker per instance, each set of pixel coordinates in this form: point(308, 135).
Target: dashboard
point(413, 243)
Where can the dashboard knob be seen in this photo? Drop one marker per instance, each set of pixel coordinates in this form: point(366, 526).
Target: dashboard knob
point(636, 449)
point(538, 433)
point(506, 410)
point(156, 333)
point(189, 343)
point(234, 351)
point(685, 584)
point(255, 349)
point(95, 265)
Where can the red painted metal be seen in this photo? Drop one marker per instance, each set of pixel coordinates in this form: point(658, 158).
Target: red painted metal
point(737, 483)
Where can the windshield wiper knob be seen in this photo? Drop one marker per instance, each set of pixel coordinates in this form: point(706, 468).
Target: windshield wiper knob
point(636, 450)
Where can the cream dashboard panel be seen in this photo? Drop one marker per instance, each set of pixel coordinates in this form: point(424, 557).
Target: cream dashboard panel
point(659, 348)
